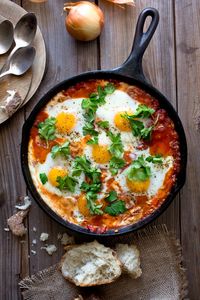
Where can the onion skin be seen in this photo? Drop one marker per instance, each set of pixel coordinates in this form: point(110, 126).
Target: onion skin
point(84, 21)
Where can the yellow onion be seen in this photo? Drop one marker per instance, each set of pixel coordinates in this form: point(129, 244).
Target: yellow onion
point(84, 21)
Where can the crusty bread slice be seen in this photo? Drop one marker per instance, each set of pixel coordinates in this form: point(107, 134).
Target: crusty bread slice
point(129, 256)
point(90, 264)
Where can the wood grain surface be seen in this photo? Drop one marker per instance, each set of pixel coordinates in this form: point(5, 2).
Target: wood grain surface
point(172, 63)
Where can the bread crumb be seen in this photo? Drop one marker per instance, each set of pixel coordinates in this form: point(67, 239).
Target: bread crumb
point(34, 242)
point(67, 240)
point(15, 223)
point(25, 205)
point(34, 229)
point(6, 229)
point(33, 252)
point(44, 236)
point(59, 236)
point(50, 249)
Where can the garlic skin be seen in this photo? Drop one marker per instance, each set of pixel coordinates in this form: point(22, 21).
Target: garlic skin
point(84, 21)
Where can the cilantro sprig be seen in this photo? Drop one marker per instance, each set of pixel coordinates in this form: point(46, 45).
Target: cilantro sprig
point(47, 129)
point(115, 206)
point(137, 126)
point(60, 150)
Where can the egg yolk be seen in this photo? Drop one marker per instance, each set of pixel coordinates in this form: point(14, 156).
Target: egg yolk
point(138, 186)
point(54, 173)
point(101, 154)
point(82, 205)
point(122, 123)
point(65, 122)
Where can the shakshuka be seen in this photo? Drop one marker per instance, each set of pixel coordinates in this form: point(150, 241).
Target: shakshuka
point(103, 154)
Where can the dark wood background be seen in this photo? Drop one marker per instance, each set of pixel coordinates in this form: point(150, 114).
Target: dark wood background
point(172, 62)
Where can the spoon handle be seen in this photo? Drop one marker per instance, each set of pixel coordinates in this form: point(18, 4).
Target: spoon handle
point(5, 73)
point(7, 63)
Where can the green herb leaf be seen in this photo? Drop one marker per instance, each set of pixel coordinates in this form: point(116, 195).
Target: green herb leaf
point(95, 209)
point(143, 112)
point(112, 196)
point(139, 170)
point(116, 208)
point(116, 148)
point(89, 129)
point(47, 129)
point(146, 133)
point(109, 88)
point(63, 150)
point(43, 178)
point(81, 164)
point(103, 124)
point(93, 141)
point(94, 187)
point(157, 159)
point(90, 106)
point(116, 164)
point(66, 183)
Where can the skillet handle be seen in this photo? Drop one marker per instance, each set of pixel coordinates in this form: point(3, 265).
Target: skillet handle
point(133, 65)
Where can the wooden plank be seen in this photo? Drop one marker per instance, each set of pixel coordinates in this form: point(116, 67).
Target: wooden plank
point(12, 252)
point(159, 62)
point(12, 186)
point(65, 58)
point(188, 82)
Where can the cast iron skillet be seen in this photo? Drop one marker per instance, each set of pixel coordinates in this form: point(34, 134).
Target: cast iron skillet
point(130, 72)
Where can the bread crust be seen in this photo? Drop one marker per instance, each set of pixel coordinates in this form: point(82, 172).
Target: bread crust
point(100, 282)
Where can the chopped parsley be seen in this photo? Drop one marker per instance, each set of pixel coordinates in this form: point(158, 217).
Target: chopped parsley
point(93, 141)
point(66, 183)
point(103, 124)
point(82, 164)
point(43, 178)
point(115, 164)
point(47, 129)
point(112, 196)
point(137, 126)
point(60, 150)
point(143, 112)
point(157, 159)
point(139, 170)
point(88, 128)
point(91, 104)
point(116, 148)
point(115, 206)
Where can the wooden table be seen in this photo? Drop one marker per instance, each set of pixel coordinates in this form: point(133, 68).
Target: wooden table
point(172, 62)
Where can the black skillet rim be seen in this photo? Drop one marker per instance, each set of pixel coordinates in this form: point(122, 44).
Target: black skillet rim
point(163, 102)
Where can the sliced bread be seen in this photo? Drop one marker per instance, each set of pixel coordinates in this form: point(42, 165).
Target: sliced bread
point(129, 257)
point(90, 264)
